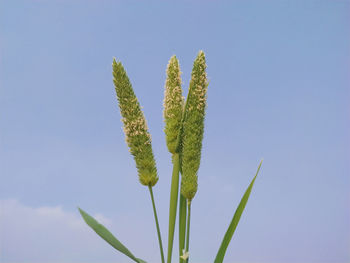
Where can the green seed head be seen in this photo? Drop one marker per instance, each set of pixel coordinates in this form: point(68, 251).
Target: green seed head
point(193, 127)
point(173, 104)
point(135, 127)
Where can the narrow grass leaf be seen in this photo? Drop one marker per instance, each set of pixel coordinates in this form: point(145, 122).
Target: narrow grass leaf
point(232, 227)
point(107, 236)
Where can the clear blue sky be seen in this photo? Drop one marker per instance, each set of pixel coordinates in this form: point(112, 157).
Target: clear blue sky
point(279, 90)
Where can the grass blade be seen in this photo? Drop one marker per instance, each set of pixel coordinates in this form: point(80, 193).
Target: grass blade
point(232, 227)
point(107, 236)
point(174, 195)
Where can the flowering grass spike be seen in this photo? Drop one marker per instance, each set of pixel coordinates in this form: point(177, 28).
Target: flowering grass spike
point(193, 127)
point(135, 127)
point(173, 104)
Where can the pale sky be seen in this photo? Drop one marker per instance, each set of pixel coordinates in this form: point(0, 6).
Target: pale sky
point(279, 90)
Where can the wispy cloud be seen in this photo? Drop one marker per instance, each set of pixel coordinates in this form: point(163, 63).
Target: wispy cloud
point(48, 234)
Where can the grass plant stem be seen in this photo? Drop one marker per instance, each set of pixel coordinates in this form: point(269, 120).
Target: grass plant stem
point(174, 192)
point(188, 228)
point(157, 224)
point(182, 226)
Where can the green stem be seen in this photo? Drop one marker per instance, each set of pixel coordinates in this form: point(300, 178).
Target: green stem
point(188, 227)
point(182, 226)
point(173, 203)
point(157, 224)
